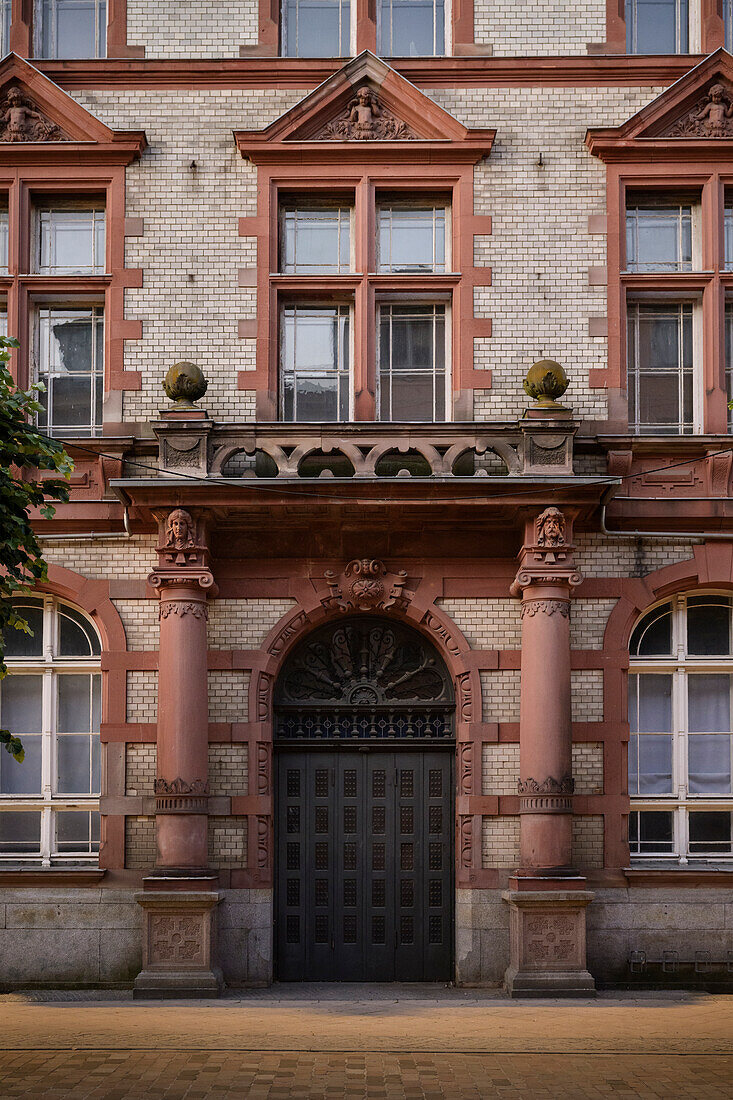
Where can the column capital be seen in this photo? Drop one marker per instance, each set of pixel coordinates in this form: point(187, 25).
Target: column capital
point(547, 571)
point(183, 556)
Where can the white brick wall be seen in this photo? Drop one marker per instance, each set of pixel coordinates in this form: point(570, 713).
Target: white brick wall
point(139, 843)
point(228, 695)
point(527, 28)
point(588, 620)
point(228, 769)
point(500, 768)
point(540, 249)
point(140, 764)
point(191, 28)
point(228, 842)
point(131, 558)
point(586, 688)
point(486, 623)
point(588, 840)
point(140, 620)
point(142, 696)
point(500, 841)
point(598, 556)
point(500, 695)
point(243, 624)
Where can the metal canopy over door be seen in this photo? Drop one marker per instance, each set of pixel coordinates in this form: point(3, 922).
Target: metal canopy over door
point(364, 716)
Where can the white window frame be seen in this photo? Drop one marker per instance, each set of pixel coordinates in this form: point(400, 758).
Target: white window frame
point(665, 201)
point(285, 31)
point(46, 215)
point(694, 28)
point(349, 372)
point(447, 232)
point(637, 427)
point(401, 302)
point(38, 27)
point(289, 208)
point(5, 21)
point(4, 239)
point(49, 666)
point(679, 801)
point(447, 30)
point(94, 427)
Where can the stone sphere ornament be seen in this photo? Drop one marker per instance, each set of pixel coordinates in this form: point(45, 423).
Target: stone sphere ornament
point(185, 383)
point(546, 381)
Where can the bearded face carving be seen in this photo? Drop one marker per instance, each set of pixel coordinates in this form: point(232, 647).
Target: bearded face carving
point(551, 528)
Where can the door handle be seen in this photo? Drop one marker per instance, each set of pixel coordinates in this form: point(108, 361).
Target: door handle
point(333, 945)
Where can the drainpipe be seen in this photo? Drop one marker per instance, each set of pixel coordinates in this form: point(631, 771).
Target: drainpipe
point(74, 537)
point(672, 536)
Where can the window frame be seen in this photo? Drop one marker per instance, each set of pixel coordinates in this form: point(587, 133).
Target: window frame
point(95, 374)
point(679, 665)
point(687, 426)
point(39, 28)
point(48, 802)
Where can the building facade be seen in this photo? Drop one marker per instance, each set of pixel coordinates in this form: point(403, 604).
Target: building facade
point(394, 653)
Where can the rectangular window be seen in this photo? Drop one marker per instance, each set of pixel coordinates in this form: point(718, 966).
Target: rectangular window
point(71, 241)
point(411, 239)
point(658, 236)
point(20, 833)
point(4, 237)
point(709, 729)
point(651, 832)
point(411, 28)
point(728, 230)
point(70, 361)
point(657, 26)
point(729, 357)
point(76, 833)
point(315, 359)
point(77, 742)
point(660, 368)
point(316, 28)
point(650, 745)
point(5, 17)
point(71, 28)
point(315, 240)
point(710, 833)
point(412, 374)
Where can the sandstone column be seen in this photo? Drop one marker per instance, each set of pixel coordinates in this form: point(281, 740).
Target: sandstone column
point(179, 898)
point(547, 897)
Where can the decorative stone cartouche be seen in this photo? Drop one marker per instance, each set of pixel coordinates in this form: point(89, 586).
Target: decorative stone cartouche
point(546, 381)
point(185, 383)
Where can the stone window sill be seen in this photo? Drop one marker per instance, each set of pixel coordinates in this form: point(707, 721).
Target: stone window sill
point(50, 876)
point(692, 874)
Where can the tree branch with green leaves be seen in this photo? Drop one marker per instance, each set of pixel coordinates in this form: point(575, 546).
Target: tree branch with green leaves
point(26, 457)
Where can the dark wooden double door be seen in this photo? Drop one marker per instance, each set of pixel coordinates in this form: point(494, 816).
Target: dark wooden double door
point(364, 867)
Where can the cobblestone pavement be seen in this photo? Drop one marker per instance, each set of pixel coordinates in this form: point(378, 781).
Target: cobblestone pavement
point(362, 1041)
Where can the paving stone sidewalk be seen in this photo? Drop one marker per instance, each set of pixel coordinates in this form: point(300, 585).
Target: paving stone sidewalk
point(363, 1041)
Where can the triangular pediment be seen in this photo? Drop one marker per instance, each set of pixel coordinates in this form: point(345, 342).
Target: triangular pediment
point(698, 108)
point(35, 110)
point(365, 103)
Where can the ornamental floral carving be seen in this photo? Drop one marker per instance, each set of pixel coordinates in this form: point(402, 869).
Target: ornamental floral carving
point(197, 787)
point(198, 610)
point(21, 121)
point(366, 119)
point(366, 585)
point(550, 939)
point(565, 785)
point(546, 607)
point(710, 117)
point(466, 841)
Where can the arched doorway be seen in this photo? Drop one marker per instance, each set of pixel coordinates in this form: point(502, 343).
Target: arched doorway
point(364, 738)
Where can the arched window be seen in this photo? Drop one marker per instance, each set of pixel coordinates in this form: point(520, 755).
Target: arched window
point(51, 699)
point(680, 765)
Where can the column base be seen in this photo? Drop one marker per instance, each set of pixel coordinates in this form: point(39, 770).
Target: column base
point(547, 943)
point(179, 945)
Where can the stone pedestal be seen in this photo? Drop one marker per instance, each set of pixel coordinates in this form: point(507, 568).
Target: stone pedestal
point(547, 944)
point(179, 943)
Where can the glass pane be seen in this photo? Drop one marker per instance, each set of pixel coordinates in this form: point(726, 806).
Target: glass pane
point(659, 238)
point(77, 638)
point(71, 402)
point(21, 704)
point(69, 335)
point(412, 397)
point(652, 637)
point(73, 832)
point(709, 765)
point(656, 831)
point(315, 241)
point(656, 26)
point(74, 28)
point(4, 233)
point(71, 241)
point(317, 399)
point(411, 28)
point(74, 704)
point(316, 28)
point(654, 705)
point(22, 778)
point(20, 833)
point(19, 644)
point(73, 763)
point(710, 831)
point(655, 764)
point(708, 700)
point(708, 626)
point(411, 239)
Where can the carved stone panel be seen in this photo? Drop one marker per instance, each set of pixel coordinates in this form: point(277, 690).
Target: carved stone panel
point(21, 120)
point(176, 939)
point(366, 119)
point(710, 117)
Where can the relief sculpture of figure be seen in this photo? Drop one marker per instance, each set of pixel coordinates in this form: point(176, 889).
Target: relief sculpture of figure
point(716, 112)
point(22, 123)
point(179, 530)
point(551, 528)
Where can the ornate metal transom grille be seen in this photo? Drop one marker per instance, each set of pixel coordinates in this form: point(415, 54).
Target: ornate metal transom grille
point(364, 679)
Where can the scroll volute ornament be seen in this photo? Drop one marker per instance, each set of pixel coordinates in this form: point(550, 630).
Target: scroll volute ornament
point(183, 553)
point(547, 554)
